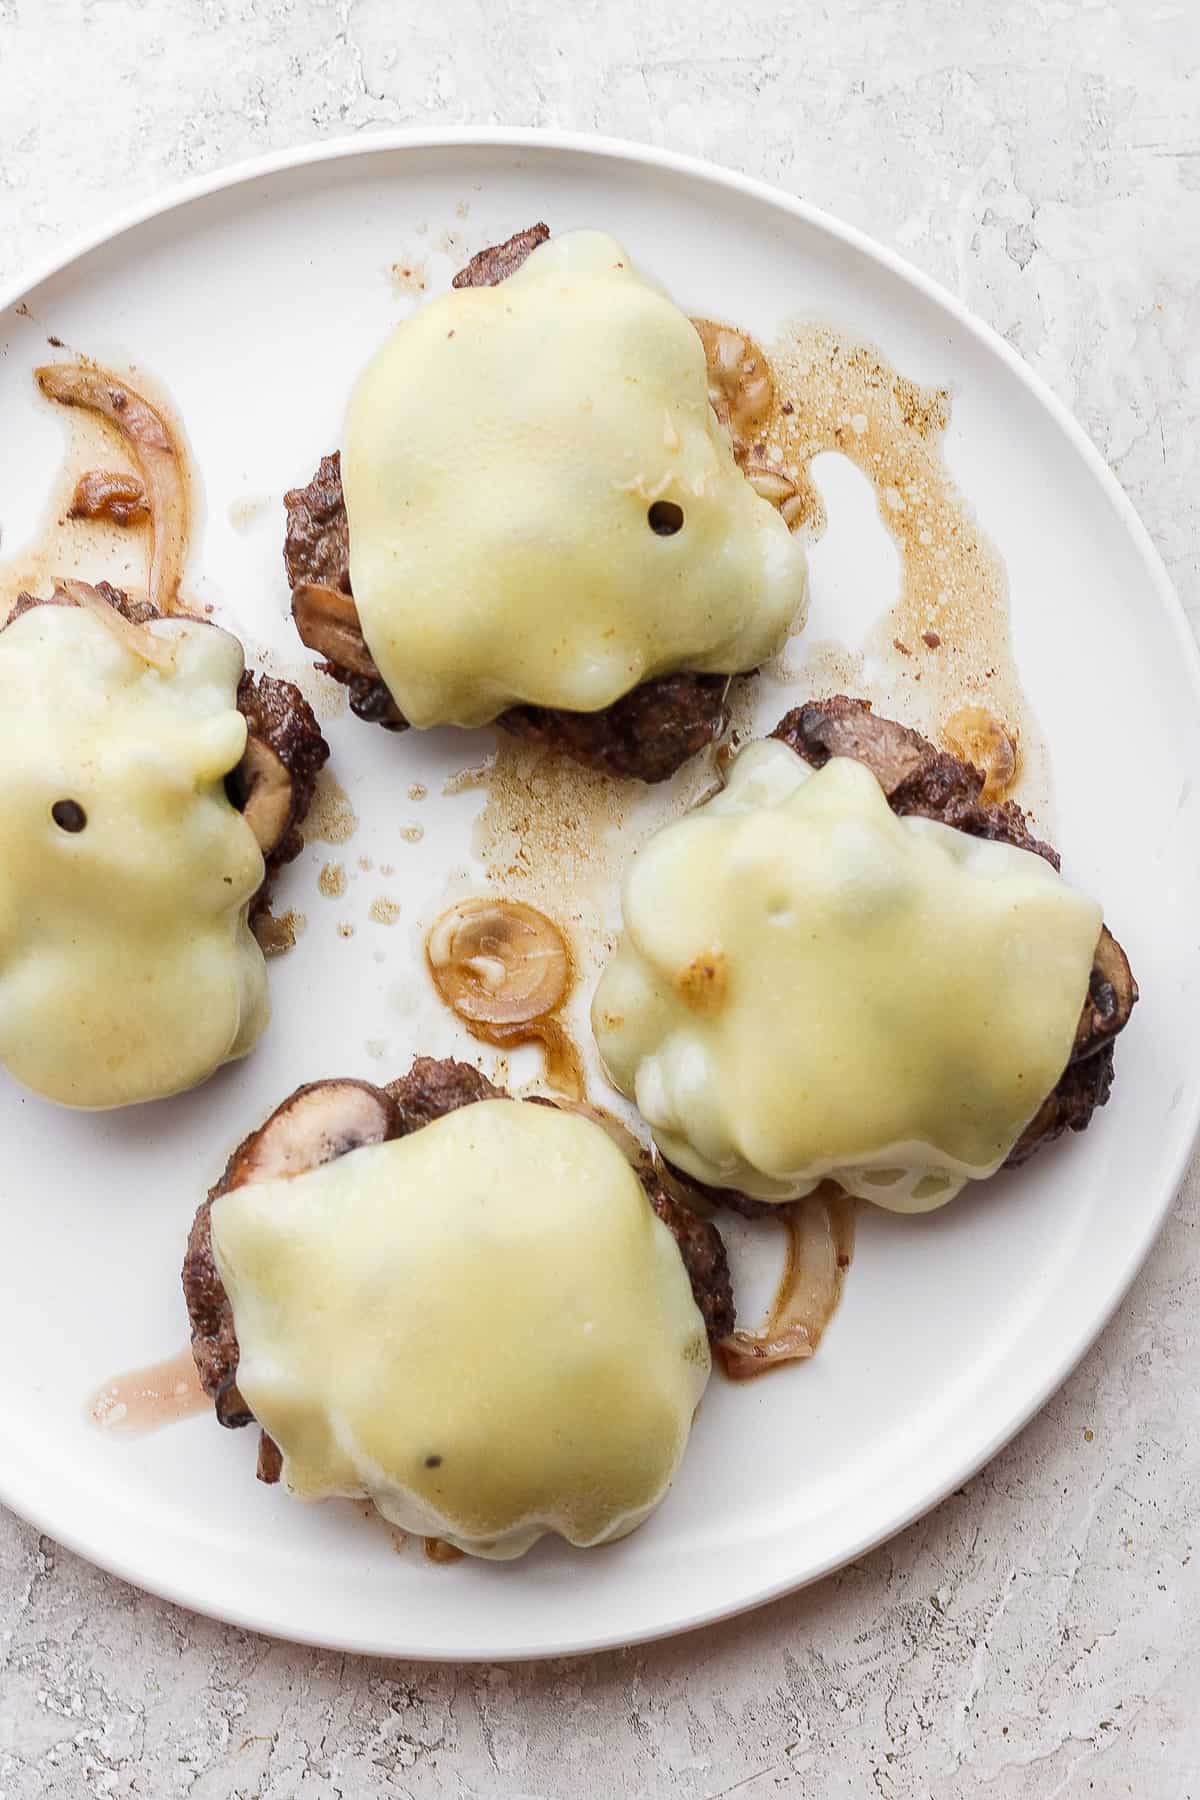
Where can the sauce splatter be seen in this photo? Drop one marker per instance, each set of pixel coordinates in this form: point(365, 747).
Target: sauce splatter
point(384, 910)
point(146, 1400)
point(331, 818)
point(332, 881)
point(408, 276)
point(946, 639)
point(464, 781)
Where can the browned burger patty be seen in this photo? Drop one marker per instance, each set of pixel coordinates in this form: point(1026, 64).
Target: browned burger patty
point(918, 778)
point(285, 752)
point(648, 733)
point(326, 1119)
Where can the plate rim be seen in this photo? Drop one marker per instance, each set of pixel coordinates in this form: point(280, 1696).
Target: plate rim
point(175, 198)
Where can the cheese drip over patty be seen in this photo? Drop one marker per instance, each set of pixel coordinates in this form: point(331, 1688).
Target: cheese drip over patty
point(501, 456)
point(809, 986)
point(482, 1327)
point(127, 969)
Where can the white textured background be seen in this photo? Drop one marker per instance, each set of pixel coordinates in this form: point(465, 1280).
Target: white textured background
point(1039, 1636)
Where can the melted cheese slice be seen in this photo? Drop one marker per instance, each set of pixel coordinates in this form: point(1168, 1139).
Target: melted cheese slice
point(809, 986)
point(483, 1327)
point(501, 455)
point(127, 970)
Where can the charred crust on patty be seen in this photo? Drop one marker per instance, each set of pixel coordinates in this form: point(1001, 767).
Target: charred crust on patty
point(704, 1257)
point(435, 1086)
point(648, 733)
point(1082, 1087)
point(316, 546)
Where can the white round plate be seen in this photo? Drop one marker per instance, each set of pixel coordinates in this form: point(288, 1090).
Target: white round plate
point(254, 298)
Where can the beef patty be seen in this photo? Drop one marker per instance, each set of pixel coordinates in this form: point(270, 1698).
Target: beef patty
point(277, 716)
point(326, 1119)
point(648, 733)
point(919, 779)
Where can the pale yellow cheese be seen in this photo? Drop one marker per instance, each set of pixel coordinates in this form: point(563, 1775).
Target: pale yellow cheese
point(808, 986)
point(127, 970)
point(482, 1327)
point(500, 457)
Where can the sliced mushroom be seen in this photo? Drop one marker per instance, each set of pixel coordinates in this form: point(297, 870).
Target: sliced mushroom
point(741, 388)
point(262, 788)
point(498, 962)
point(770, 482)
point(327, 620)
point(1112, 995)
point(154, 449)
point(320, 1121)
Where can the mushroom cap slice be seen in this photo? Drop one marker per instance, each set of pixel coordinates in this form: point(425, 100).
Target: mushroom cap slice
point(264, 789)
point(320, 1121)
point(1111, 997)
point(327, 620)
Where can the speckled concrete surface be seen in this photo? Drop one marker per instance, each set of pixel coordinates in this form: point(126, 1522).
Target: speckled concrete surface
point(1039, 1636)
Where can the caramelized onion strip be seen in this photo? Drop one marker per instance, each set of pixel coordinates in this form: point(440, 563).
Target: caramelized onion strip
point(158, 653)
point(820, 1242)
point(152, 446)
